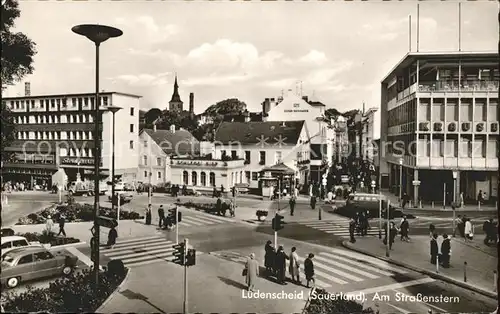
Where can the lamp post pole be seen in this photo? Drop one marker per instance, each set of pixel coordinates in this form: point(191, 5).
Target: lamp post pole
point(97, 34)
point(113, 110)
point(401, 181)
point(455, 174)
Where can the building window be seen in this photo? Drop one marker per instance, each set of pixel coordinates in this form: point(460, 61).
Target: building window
point(203, 177)
point(247, 176)
point(145, 143)
point(159, 174)
point(80, 101)
point(158, 161)
point(262, 157)
point(132, 111)
point(73, 102)
point(185, 177)
point(194, 178)
point(105, 101)
point(131, 144)
point(145, 160)
point(234, 155)
point(131, 128)
point(247, 156)
point(86, 101)
point(145, 174)
point(212, 179)
point(278, 157)
point(255, 176)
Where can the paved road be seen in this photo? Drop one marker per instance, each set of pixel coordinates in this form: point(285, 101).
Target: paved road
point(21, 204)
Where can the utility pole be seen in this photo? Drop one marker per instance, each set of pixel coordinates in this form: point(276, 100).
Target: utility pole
point(150, 191)
point(185, 307)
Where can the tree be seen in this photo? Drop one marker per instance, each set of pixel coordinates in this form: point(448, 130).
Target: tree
point(180, 119)
point(16, 61)
point(152, 115)
point(17, 49)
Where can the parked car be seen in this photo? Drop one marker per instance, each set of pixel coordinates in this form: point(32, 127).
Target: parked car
point(7, 232)
point(10, 243)
point(125, 197)
point(24, 264)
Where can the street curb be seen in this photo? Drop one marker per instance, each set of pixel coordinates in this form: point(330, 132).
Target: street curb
point(431, 274)
point(236, 219)
point(67, 245)
point(114, 292)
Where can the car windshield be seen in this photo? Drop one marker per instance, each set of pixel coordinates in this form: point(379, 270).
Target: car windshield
point(7, 260)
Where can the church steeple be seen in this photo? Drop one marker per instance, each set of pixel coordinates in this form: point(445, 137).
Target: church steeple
point(176, 102)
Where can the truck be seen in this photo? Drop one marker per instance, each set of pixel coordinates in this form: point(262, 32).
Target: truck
point(85, 188)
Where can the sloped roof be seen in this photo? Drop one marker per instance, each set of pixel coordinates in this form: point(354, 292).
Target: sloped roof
point(279, 168)
point(180, 142)
point(267, 133)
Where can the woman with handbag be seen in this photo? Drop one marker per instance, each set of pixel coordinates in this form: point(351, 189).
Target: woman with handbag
point(251, 272)
point(469, 230)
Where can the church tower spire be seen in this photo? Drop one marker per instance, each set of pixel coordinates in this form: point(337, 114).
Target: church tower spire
point(176, 103)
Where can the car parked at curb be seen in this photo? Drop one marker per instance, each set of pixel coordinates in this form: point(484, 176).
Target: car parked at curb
point(10, 243)
point(30, 263)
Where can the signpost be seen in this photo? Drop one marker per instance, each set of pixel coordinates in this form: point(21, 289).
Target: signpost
point(388, 232)
point(324, 181)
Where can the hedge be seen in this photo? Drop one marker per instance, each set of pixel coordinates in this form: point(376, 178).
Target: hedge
point(74, 212)
point(48, 237)
point(324, 305)
point(73, 294)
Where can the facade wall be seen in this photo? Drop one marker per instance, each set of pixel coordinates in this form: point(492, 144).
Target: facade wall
point(151, 159)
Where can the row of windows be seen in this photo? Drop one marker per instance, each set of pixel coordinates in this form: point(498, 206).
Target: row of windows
point(78, 152)
point(52, 103)
point(278, 156)
point(55, 135)
point(158, 174)
point(403, 114)
point(145, 161)
point(44, 119)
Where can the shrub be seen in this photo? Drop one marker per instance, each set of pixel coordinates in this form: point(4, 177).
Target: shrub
point(116, 268)
point(73, 294)
point(324, 305)
point(46, 237)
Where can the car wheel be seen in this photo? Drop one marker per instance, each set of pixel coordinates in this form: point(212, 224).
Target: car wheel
point(13, 282)
point(67, 270)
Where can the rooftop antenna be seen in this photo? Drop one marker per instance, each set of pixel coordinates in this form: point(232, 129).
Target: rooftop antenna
point(418, 26)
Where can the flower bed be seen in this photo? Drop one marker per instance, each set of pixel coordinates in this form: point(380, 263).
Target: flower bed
point(75, 212)
point(74, 294)
point(322, 303)
point(261, 213)
point(48, 238)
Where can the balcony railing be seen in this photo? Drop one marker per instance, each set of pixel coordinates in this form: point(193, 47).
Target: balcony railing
point(453, 86)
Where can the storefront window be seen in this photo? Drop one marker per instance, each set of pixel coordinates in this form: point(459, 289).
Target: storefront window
point(212, 179)
point(203, 179)
point(194, 178)
point(185, 177)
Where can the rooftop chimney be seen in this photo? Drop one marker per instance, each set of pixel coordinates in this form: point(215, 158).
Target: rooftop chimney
point(191, 102)
point(172, 128)
point(27, 89)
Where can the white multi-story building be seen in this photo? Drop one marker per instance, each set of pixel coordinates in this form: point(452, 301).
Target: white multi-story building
point(262, 144)
point(370, 132)
point(442, 110)
point(56, 132)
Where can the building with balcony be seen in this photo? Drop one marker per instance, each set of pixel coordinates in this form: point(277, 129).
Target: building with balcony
point(262, 144)
point(56, 132)
point(370, 131)
point(439, 118)
point(157, 147)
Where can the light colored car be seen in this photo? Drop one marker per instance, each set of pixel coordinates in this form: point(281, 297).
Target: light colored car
point(13, 242)
point(29, 263)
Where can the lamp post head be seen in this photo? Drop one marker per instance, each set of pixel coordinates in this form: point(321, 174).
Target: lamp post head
point(401, 161)
point(455, 174)
point(114, 109)
point(97, 33)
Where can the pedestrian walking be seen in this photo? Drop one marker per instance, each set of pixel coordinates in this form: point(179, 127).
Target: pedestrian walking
point(445, 251)
point(112, 235)
point(480, 197)
point(488, 228)
point(432, 230)
point(218, 206)
point(294, 265)
point(280, 264)
point(352, 228)
point(405, 229)
point(269, 257)
point(251, 272)
point(313, 202)
point(214, 192)
point(62, 222)
point(469, 230)
point(161, 216)
point(458, 224)
point(148, 214)
point(434, 248)
point(309, 269)
point(292, 205)
point(390, 235)
point(404, 200)
point(49, 225)
point(232, 208)
point(461, 199)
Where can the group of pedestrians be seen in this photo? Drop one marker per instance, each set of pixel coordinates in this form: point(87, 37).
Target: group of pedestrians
point(165, 222)
point(465, 228)
point(359, 225)
point(275, 262)
point(490, 229)
point(440, 253)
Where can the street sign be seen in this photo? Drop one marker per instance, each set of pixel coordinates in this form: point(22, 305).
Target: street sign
point(416, 182)
point(324, 181)
point(374, 184)
point(106, 222)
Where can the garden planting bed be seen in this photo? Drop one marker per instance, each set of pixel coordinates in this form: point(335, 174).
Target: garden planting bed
point(48, 239)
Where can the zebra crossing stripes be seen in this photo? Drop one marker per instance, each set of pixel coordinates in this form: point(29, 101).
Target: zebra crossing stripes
point(341, 267)
point(337, 227)
point(202, 220)
point(141, 251)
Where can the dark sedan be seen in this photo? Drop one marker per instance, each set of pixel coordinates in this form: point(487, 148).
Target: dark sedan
point(32, 263)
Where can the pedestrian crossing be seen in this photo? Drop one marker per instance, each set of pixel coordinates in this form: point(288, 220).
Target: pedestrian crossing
point(438, 222)
point(341, 267)
point(338, 226)
point(203, 220)
point(141, 251)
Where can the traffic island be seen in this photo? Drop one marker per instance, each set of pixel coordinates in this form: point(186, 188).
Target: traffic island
point(469, 268)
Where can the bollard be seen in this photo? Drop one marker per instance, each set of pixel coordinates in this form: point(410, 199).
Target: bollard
point(420, 204)
point(495, 274)
point(465, 271)
point(130, 231)
point(479, 205)
point(437, 263)
point(432, 203)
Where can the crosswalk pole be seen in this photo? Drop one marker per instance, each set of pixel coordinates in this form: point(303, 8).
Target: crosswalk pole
point(185, 308)
point(388, 231)
point(177, 226)
point(276, 239)
point(380, 217)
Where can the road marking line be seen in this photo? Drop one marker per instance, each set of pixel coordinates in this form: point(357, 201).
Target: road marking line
point(428, 304)
point(399, 309)
point(370, 260)
point(326, 276)
point(134, 256)
point(153, 261)
point(213, 218)
point(153, 258)
point(130, 240)
point(82, 257)
point(200, 219)
point(350, 268)
point(137, 244)
point(191, 221)
point(392, 286)
point(132, 249)
point(185, 224)
point(338, 272)
point(357, 264)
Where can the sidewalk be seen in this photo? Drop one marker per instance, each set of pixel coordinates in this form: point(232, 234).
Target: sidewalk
point(439, 206)
point(480, 268)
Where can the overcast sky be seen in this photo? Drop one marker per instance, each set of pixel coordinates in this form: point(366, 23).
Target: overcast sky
point(253, 50)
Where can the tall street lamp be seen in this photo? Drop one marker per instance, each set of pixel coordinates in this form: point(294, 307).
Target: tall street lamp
point(97, 34)
point(401, 181)
point(113, 110)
